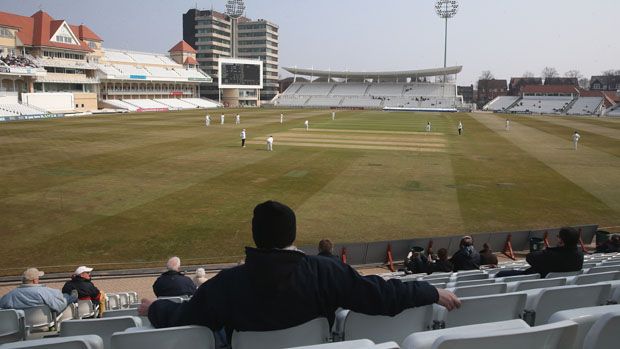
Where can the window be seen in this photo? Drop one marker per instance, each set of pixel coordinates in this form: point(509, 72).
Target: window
point(64, 39)
point(92, 44)
point(5, 33)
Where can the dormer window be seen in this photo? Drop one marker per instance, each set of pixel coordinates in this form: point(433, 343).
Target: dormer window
point(64, 35)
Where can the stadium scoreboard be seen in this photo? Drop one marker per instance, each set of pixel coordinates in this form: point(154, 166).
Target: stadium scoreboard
point(240, 73)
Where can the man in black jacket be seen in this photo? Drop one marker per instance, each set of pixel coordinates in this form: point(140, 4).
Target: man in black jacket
point(280, 287)
point(82, 283)
point(326, 249)
point(173, 283)
point(466, 258)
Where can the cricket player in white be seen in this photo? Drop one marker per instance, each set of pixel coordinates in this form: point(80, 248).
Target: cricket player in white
point(207, 120)
point(237, 119)
point(333, 115)
point(428, 126)
point(270, 143)
point(507, 125)
point(281, 118)
point(222, 119)
point(307, 124)
point(576, 137)
point(460, 128)
point(243, 138)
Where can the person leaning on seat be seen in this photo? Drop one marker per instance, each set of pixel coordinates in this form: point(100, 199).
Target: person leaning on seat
point(280, 287)
point(82, 282)
point(31, 294)
point(173, 282)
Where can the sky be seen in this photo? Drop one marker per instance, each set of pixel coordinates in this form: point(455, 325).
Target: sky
point(506, 37)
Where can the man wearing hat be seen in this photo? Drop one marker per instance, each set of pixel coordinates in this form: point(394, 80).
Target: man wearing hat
point(279, 286)
point(81, 281)
point(31, 294)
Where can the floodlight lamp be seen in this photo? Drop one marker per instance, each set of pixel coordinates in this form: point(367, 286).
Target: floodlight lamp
point(446, 8)
point(235, 8)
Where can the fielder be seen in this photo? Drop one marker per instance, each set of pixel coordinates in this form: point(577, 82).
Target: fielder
point(207, 120)
point(428, 126)
point(281, 118)
point(507, 125)
point(460, 128)
point(307, 124)
point(237, 119)
point(243, 138)
point(576, 137)
point(222, 119)
point(270, 143)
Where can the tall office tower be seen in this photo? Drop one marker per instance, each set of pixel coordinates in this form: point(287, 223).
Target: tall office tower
point(214, 34)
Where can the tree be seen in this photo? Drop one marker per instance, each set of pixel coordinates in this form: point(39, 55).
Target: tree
point(573, 74)
point(528, 74)
point(611, 72)
point(486, 75)
point(584, 83)
point(549, 72)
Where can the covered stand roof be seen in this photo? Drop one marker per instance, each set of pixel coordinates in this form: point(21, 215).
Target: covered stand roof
point(369, 74)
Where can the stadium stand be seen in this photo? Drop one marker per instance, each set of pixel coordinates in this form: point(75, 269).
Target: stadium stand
point(202, 103)
point(586, 106)
point(500, 307)
point(501, 103)
point(12, 327)
point(542, 104)
point(312, 332)
point(76, 342)
point(19, 109)
point(176, 104)
point(585, 319)
point(103, 328)
point(146, 104)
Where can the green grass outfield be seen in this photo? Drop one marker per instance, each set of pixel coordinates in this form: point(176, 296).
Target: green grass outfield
point(131, 190)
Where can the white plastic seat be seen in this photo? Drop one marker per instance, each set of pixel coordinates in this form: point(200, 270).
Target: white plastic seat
point(85, 309)
point(471, 276)
point(310, 333)
point(39, 318)
point(423, 340)
point(104, 328)
point(603, 269)
point(472, 282)
point(481, 309)
point(554, 275)
point(113, 302)
point(548, 301)
point(173, 299)
point(121, 312)
point(480, 290)
point(356, 344)
point(515, 278)
point(535, 284)
point(380, 328)
point(605, 333)
point(124, 299)
point(77, 342)
point(586, 279)
point(165, 338)
point(558, 335)
point(584, 317)
point(614, 293)
point(133, 297)
point(12, 326)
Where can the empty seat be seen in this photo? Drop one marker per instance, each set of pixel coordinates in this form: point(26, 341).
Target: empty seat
point(310, 333)
point(77, 342)
point(423, 340)
point(480, 290)
point(481, 309)
point(584, 317)
point(554, 275)
point(614, 293)
point(12, 327)
point(603, 269)
point(380, 328)
point(471, 276)
point(356, 344)
point(121, 312)
point(39, 318)
point(113, 302)
point(86, 309)
point(516, 278)
point(604, 333)
point(472, 282)
point(541, 305)
point(535, 284)
point(104, 328)
point(133, 297)
point(165, 338)
point(558, 335)
point(594, 278)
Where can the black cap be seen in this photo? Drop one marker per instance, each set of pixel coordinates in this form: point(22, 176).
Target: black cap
point(273, 225)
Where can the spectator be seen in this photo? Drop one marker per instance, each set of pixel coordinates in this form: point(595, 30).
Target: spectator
point(442, 264)
point(200, 277)
point(466, 258)
point(173, 283)
point(611, 245)
point(563, 258)
point(31, 294)
point(82, 282)
point(280, 287)
point(416, 262)
point(326, 249)
point(487, 257)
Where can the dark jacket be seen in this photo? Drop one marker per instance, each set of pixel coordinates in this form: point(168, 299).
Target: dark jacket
point(554, 259)
point(487, 257)
point(277, 289)
point(86, 289)
point(172, 284)
point(329, 255)
point(442, 266)
point(466, 259)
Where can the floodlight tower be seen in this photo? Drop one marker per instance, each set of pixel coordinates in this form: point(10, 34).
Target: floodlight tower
point(446, 9)
point(234, 9)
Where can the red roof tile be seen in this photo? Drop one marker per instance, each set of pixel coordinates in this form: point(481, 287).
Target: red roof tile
point(190, 60)
point(545, 89)
point(182, 46)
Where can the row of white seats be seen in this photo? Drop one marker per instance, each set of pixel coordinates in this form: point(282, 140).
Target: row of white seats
point(19, 109)
point(587, 328)
point(170, 103)
point(585, 106)
point(370, 89)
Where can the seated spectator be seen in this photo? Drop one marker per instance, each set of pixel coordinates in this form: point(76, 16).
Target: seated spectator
point(487, 257)
point(416, 262)
point(31, 294)
point(200, 277)
point(326, 249)
point(611, 245)
point(82, 282)
point(563, 258)
point(442, 264)
point(280, 287)
point(173, 283)
point(466, 258)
